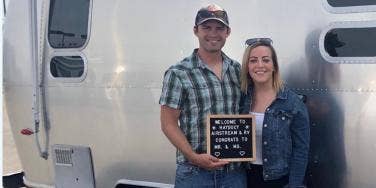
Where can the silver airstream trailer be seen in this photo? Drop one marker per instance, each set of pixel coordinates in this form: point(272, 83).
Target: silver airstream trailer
point(82, 80)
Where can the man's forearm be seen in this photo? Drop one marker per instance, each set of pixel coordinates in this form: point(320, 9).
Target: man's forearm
point(169, 126)
point(178, 139)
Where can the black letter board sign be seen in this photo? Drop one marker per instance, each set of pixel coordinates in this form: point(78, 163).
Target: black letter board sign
point(231, 137)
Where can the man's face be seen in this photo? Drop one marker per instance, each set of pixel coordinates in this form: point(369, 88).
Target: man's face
point(212, 35)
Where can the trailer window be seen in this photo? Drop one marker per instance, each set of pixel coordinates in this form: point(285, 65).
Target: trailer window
point(68, 23)
point(351, 42)
point(349, 6)
point(350, 3)
point(67, 66)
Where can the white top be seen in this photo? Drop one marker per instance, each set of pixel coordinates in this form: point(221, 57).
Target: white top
point(259, 120)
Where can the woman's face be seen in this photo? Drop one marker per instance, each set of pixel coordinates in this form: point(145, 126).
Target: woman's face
point(260, 65)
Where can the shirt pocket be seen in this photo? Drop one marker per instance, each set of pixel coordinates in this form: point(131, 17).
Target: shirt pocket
point(284, 116)
point(199, 96)
point(283, 119)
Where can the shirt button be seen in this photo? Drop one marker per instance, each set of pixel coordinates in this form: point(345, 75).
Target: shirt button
point(265, 143)
point(267, 109)
point(283, 118)
point(265, 125)
point(265, 160)
point(266, 175)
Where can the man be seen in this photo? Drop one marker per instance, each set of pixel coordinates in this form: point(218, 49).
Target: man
point(207, 82)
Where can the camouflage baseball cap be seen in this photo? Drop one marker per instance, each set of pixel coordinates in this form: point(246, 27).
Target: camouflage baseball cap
point(211, 12)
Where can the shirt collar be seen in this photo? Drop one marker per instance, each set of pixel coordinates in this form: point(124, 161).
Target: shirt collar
point(282, 94)
point(198, 63)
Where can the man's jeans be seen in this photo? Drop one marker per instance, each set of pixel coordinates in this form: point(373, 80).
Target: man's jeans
point(188, 175)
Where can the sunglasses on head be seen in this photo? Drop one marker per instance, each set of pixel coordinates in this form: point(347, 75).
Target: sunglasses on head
point(253, 41)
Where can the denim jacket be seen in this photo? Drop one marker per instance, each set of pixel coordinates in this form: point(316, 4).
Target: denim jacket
point(285, 136)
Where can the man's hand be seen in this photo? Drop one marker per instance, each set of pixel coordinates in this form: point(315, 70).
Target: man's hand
point(207, 161)
point(169, 125)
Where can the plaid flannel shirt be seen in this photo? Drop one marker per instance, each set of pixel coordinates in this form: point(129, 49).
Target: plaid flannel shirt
point(193, 88)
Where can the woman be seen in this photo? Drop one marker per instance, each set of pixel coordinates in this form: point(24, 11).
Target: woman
point(282, 124)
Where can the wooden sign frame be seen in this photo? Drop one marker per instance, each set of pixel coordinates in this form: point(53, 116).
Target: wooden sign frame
point(232, 117)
